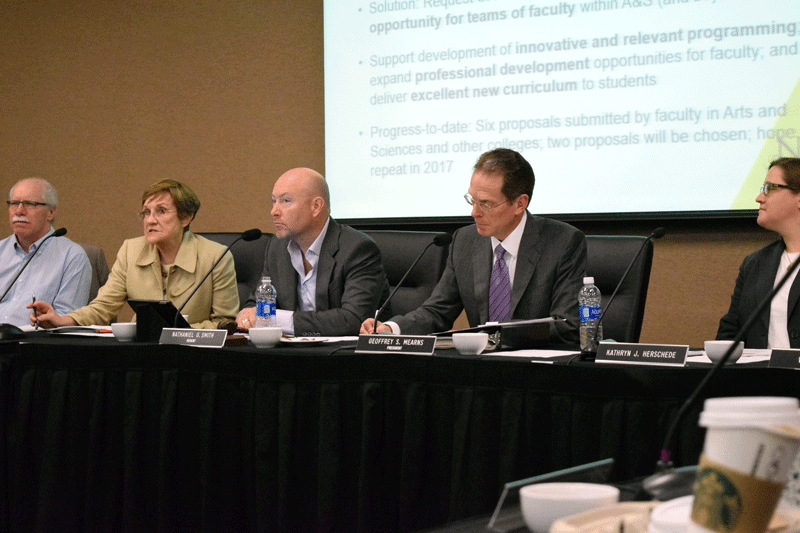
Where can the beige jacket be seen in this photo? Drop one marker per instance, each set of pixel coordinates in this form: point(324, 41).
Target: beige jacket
point(137, 274)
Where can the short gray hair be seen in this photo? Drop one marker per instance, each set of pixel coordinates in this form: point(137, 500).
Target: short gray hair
point(49, 194)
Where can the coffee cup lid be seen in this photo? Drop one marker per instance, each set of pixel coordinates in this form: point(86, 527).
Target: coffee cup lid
point(750, 411)
point(672, 516)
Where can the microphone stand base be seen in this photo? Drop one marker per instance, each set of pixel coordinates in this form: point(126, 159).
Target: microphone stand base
point(588, 356)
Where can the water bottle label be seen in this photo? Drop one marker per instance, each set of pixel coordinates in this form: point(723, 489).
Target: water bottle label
point(265, 309)
point(589, 312)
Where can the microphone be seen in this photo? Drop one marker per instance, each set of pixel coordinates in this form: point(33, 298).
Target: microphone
point(249, 235)
point(57, 233)
point(665, 461)
point(442, 239)
point(657, 234)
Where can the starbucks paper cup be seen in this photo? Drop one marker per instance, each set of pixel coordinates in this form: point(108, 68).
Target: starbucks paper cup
point(750, 445)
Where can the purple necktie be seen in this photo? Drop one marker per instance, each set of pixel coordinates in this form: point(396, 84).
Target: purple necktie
point(500, 288)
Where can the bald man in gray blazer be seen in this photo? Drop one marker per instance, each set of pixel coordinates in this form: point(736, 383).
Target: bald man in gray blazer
point(328, 277)
point(546, 259)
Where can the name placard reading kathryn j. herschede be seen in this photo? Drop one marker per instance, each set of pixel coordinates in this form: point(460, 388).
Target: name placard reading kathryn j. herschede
point(416, 344)
point(642, 354)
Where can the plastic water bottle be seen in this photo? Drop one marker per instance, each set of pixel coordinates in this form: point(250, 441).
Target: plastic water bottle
point(589, 307)
point(265, 304)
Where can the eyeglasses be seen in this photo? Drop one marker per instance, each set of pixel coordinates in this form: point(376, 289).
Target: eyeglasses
point(483, 205)
point(768, 187)
point(159, 213)
point(28, 205)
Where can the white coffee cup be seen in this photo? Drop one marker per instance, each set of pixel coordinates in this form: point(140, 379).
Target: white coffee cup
point(124, 331)
point(544, 503)
point(470, 343)
point(790, 498)
point(750, 445)
point(265, 337)
point(716, 349)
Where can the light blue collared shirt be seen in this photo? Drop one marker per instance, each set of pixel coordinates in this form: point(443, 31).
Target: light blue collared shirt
point(307, 286)
point(59, 274)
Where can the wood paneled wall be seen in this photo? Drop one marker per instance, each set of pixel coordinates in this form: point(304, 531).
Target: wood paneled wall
point(104, 98)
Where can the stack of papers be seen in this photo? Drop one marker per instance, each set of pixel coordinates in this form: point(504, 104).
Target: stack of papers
point(85, 331)
point(750, 355)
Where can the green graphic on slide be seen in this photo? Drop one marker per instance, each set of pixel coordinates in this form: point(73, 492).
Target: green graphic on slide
point(785, 142)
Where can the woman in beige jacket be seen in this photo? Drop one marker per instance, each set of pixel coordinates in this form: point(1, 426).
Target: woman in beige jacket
point(166, 263)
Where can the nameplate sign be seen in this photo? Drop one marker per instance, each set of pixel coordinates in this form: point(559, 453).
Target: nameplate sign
point(642, 354)
point(414, 344)
point(207, 338)
point(784, 359)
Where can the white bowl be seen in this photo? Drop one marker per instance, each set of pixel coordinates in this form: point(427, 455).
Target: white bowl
point(544, 503)
point(124, 331)
point(265, 337)
point(470, 343)
point(716, 349)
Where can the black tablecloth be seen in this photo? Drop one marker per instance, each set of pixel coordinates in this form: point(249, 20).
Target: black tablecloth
point(102, 436)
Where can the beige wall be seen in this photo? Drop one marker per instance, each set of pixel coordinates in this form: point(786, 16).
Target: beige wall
point(104, 98)
point(694, 270)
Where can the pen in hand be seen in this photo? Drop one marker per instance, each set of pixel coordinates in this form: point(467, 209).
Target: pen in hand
point(35, 314)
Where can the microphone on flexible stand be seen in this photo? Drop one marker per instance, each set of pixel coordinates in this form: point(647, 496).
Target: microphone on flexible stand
point(667, 478)
point(57, 233)
point(249, 235)
point(442, 239)
point(657, 234)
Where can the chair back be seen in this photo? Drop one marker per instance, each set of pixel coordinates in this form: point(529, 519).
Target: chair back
point(398, 250)
point(100, 270)
point(607, 259)
point(248, 259)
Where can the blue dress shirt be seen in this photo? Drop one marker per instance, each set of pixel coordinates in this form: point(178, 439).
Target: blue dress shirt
point(307, 283)
point(59, 274)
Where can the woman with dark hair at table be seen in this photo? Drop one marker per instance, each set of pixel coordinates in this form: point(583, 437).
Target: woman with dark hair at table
point(166, 263)
point(779, 211)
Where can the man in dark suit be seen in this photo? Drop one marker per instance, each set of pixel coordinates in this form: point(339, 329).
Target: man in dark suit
point(328, 277)
point(508, 265)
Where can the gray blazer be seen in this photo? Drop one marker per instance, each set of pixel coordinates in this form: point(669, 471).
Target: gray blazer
point(548, 276)
point(351, 283)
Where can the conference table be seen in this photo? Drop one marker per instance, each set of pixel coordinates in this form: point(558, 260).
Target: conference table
point(99, 435)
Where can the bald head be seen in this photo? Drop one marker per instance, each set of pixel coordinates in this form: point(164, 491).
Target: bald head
point(307, 182)
point(300, 205)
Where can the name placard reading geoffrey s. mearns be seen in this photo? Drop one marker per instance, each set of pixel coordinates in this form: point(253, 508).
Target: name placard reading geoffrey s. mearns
point(642, 354)
point(416, 344)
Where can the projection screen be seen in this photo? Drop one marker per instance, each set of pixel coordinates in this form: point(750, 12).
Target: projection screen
point(646, 106)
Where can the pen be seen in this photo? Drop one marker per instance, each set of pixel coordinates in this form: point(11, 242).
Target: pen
point(35, 314)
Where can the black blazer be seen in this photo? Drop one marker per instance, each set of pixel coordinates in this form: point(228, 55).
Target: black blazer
point(754, 283)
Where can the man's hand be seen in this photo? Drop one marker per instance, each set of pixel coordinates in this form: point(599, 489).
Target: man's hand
point(368, 324)
point(246, 318)
point(47, 316)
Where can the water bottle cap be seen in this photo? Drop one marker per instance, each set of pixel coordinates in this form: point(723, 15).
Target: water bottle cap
point(589, 280)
